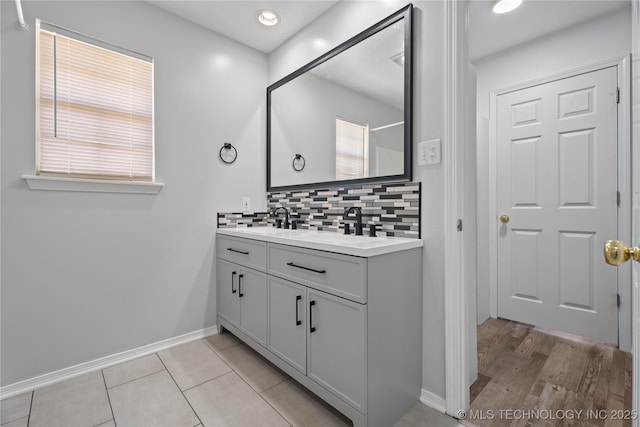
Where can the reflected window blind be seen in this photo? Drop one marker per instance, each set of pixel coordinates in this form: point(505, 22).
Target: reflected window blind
point(352, 150)
point(94, 109)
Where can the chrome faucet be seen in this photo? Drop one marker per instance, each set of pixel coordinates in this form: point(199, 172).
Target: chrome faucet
point(286, 217)
point(358, 223)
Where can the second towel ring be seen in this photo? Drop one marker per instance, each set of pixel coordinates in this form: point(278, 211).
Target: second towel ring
point(228, 159)
point(298, 163)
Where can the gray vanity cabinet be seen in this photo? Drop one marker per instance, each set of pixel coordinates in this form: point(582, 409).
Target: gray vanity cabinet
point(288, 322)
point(336, 356)
point(242, 295)
point(227, 291)
point(346, 326)
point(321, 335)
point(336, 315)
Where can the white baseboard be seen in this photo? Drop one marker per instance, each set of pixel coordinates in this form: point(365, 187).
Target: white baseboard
point(104, 362)
point(434, 401)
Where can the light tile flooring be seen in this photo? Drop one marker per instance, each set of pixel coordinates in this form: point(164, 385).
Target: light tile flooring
point(217, 381)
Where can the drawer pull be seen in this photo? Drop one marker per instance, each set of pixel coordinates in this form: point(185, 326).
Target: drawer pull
point(298, 321)
point(238, 251)
point(306, 268)
point(240, 294)
point(311, 328)
point(233, 291)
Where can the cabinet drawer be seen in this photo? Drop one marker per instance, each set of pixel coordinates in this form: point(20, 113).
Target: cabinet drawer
point(341, 275)
point(250, 253)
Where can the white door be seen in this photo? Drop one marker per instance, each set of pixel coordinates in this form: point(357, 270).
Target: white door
point(557, 200)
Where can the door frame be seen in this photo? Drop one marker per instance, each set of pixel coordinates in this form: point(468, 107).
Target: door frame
point(635, 221)
point(457, 311)
point(624, 183)
point(459, 297)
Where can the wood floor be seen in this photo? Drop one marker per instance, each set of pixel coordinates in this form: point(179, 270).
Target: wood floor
point(530, 377)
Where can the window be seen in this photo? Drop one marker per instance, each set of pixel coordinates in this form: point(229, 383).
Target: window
point(352, 150)
point(94, 108)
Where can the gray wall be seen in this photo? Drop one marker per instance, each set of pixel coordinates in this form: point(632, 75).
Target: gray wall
point(303, 121)
point(86, 275)
point(604, 38)
point(341, 22)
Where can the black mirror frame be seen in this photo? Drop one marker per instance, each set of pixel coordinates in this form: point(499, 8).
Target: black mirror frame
point(405, 13)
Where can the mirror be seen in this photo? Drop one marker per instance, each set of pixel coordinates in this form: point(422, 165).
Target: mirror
point(348, 113)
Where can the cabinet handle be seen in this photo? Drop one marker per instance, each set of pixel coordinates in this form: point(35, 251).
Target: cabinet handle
point(306, 268)
point(311, 328)
point(240, 294)
point(238, 251)
point(298, 321)
point(233, 291)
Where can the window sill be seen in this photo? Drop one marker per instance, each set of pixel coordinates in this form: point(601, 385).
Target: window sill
point(36, 182)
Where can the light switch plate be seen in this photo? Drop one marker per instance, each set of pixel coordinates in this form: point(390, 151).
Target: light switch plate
point(429, 152)
point(246, 204)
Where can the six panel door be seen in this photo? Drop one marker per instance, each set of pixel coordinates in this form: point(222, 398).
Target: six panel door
point(557, 200)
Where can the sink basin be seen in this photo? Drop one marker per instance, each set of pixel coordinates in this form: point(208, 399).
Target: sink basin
point(363, 246)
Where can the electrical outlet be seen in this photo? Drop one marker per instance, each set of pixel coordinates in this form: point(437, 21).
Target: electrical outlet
point(429, 152)
point(246, 204)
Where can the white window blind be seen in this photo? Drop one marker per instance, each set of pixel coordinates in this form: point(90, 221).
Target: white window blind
point(94, 108)
point(352, 150)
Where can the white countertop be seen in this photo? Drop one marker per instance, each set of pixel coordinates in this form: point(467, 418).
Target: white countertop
point(362, 246)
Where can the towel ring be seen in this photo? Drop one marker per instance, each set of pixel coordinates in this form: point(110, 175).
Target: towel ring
point(228, 147)
point(298, 163)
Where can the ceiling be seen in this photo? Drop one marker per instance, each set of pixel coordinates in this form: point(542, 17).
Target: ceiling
point(488, 33)
point(237, 19)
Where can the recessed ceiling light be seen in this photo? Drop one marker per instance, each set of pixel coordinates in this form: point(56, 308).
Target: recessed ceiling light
point(504, 6)
point(268, 17)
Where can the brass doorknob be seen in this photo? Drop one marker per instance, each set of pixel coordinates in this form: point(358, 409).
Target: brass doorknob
point(504, 218)
point(617, 253)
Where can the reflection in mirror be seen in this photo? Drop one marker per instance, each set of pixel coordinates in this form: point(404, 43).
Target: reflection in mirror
point(346, 111)
point(352, 150)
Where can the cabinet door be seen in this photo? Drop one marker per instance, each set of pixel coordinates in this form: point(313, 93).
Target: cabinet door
point(228, 304)
point(336, 355)
point(252, 293)
point(287, 322)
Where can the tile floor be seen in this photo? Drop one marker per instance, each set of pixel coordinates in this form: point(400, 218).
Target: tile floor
point(216, 381)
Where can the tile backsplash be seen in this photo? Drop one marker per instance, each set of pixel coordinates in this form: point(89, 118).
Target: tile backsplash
point(394, 207)
point(234, 219)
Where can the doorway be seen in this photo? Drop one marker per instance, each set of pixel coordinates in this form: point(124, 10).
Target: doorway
point(535, 62)
point(550, 62)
